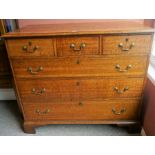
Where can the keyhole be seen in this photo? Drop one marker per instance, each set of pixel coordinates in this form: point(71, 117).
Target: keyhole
point(126, 39)
point(78, 62)
point(80, 103)
point(77, 83)
point(30, 43)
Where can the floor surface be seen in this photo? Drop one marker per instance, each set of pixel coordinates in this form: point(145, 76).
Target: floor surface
point(10, 125)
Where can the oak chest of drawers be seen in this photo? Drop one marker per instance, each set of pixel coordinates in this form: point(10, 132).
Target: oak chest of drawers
point(80, 73)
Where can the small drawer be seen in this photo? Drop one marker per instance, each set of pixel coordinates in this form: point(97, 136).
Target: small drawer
point(75, 46)
point(39, 90)
point(30, 47)
point(80, 67)
point(129, 44)
point(126, 109)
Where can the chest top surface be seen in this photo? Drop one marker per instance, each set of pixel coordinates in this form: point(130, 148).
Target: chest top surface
point(110, 27)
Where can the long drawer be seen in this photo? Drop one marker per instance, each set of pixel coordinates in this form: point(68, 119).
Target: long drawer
point(39, 90)
point(80, 66)
point(126, 109)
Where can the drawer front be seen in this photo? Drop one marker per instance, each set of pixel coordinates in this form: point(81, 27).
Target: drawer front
point(127, 109)
point(39, 90)
point(30, 47)
point(130, 44)
point(73, 67)
point(75, 46)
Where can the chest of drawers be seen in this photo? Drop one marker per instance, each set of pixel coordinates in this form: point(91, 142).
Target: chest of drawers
point(79, 73)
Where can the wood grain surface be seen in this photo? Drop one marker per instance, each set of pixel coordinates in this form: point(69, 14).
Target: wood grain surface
point(80, 73)
point(84, 110)
point(78, 89)
point(80, 67)
point(45, 47)
point(113, 27)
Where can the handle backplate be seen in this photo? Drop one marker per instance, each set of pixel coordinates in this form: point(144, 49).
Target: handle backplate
point(118, 68)
point(30, 70)
point(126, 47)
point(73, 46)
point(29, 49)
point(38, 92)
point(126, 88)
point(42, 112)
point(123, 110)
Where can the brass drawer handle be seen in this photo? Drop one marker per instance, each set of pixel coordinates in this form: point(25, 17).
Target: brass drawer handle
point(37, 92)
point(125, 47)
point(42, 112)
point(123, 110)
point(118, 67)
point(73, 46)
point(29, 69)
point(120, 91)
point(29, 49)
